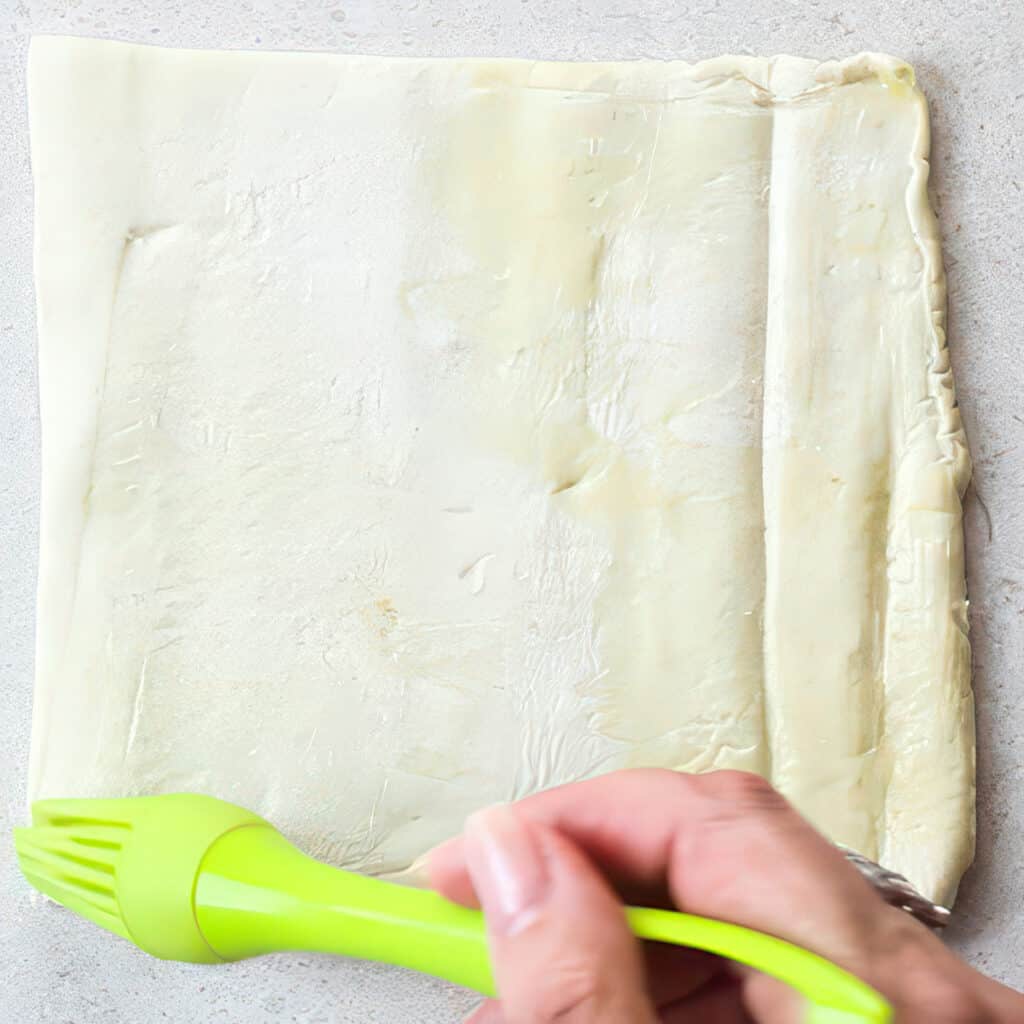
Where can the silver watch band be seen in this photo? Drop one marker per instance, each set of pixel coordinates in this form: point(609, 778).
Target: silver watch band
point(897, 891)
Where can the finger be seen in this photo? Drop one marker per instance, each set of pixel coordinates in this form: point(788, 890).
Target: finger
point(674, 972)
point(729, 846)
point(446, 871)
point(443, 868)
point(768, 999)
point(560, 945)
point(718, 1002)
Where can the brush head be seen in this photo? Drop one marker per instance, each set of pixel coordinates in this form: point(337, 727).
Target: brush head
point(130, 865)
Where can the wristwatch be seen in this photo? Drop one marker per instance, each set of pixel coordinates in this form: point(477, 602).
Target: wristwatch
point(897, 891)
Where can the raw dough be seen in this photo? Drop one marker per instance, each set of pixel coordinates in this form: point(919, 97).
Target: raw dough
point(418, 434)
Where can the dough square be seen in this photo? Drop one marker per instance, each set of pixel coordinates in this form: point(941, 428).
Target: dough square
point(418, 434)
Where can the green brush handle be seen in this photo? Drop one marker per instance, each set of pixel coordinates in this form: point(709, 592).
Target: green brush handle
point(256, 893)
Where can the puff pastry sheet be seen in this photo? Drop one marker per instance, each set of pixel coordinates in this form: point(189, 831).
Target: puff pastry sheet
point(418, 434)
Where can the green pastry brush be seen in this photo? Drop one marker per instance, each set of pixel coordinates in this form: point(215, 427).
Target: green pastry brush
point(192, 878)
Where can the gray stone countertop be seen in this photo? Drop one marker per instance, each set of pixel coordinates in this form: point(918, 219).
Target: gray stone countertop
point(60, 970)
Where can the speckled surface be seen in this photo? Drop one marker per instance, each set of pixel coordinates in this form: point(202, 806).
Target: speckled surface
point(60, 970)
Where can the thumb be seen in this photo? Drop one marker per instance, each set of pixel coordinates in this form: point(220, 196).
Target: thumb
point(559, 941)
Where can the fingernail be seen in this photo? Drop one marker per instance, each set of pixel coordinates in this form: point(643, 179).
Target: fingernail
point(507, 868)
point(439, 850)
point(417, 874)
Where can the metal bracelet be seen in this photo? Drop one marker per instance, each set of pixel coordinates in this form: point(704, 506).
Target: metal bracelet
point(897, 891)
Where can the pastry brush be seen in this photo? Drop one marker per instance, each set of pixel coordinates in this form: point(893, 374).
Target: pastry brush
point(187, 877)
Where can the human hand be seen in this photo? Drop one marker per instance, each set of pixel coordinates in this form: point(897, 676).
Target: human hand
point(551, 873)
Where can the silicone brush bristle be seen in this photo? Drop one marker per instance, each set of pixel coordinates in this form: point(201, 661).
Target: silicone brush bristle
point(130, 864)
point(70, 854)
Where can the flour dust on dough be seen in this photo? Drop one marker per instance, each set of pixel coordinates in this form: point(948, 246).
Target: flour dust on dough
point(421, 433)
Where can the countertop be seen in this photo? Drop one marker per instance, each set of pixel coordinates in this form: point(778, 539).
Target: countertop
point(61, 970)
